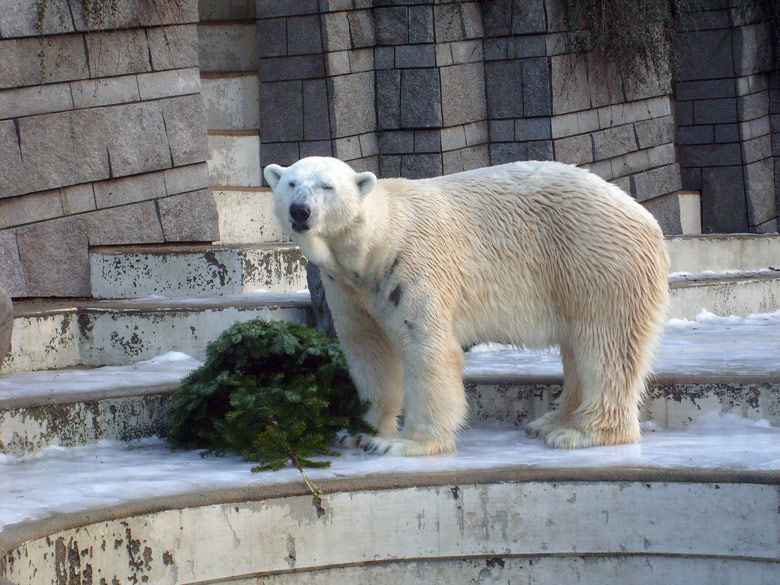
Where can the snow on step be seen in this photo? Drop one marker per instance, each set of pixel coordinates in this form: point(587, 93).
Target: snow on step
point(196, 271)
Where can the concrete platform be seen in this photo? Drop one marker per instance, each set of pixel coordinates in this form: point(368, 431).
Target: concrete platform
point(195, 271)
point(234, 158)
point(724, 293)
point(720, 253)
point(246, 216)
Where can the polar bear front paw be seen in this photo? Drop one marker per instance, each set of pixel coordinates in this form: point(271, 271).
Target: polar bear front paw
point(543, 425)
point(396, 447)
point(568, 438)
point(347, 440)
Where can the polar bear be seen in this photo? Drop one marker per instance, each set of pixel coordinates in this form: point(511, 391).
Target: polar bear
point(531, 253)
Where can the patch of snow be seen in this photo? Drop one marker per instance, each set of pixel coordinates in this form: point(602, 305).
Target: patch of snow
point(69, 479)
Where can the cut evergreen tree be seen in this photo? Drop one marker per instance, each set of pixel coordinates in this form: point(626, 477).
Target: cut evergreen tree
point(271, 392)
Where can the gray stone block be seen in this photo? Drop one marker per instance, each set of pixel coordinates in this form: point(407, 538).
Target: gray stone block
point(718, 111)
point(528, 17)
point(654, 132)
point(684, 113)
point(613, 142)
point(28, 101)
point(55, 259)
point(723, 201)
point(421, 166)
point(228, 47)
point(527, 46)
point(316, 148)
point(281, 153)
point(421, 24)
point(655, 182)
point(466, 52)
point(190, 217)
point(117, 53)
point(465, 159)
point(384, 58)
point(453, 138)
point(536, 88)
point(708, 55)
point(462, 92)
point(118, 15)
point(142, 146)
point(361, 60)
point(347, 148)
point(504, 89)
point(71, 147)
point(695, 134)
point(768, 227)
point(666, 210)
point(36, 61)
point(569, 76)
point(752, 49)
point(91, 93)
point(77, 199)
point(532, 129)
point(690, 178)
point(281, 111)
point(540, 150)
point(707, 20)
point(129, 190)
point(185, 124)
point(11, 271)
point(757, 149)
point(158, 14)
point(352, 104)
point(497, 17)
point(303, 35)
point(316, 123)
point(361, 28)
point(173, 47)
point(704, 89)
point(30, 208)
point(760, 191)
point(390, 166)
point(495, 49)
point(31, 19)
point(411, 56)
point(129, 224)
point(506, 152)
point(274, 8)
point(232, 10)
point(392, 25)
point(502, 131)
point(162, 84)
point(272, 37)
point(401, 142)
point(13, 179)
point(427, 141)
point(388, 94)
point(289, 68)
point(753, 106)
point(420, 98)
point(187, 178)
point(710, 155)
point(606, 86)
point(575, 150)
point(448, 25)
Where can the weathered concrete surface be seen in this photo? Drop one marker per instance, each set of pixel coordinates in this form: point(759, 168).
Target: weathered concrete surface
point(566, 518)
point(246, 216)
point(723, 252)
point(43, 342)
point(6, 323)
point(196, 271)
point(235, 160)
point(725, 295)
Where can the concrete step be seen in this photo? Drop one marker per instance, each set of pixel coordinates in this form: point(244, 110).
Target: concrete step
point(228, 46)
point(246, 215)
point(234, 158)
point(62, 334)
point(195, 271)
point(740, 293)
point(232, 100)
point(719, 253)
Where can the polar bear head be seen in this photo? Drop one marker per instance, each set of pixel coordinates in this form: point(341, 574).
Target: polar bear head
point(317, 195)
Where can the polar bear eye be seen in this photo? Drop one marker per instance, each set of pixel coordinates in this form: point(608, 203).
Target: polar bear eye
point(327, 187)
point(292, 183)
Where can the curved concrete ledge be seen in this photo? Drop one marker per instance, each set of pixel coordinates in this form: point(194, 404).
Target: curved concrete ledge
point(711, 525)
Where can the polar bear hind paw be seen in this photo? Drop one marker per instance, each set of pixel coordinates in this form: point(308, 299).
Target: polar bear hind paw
point(397, 447)
point(543, 425)
point(568, 438)
point(346, 440)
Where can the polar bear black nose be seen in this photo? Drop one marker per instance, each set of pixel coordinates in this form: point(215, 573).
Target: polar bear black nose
point(299, 213)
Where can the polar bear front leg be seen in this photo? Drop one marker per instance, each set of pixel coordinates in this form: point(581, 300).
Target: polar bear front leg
point(434, 397)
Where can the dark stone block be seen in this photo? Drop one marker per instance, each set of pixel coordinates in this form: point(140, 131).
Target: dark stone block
point(421, 166)
point(274, 8)
point(508, 152)
point(412, 56)
point(710, 155)
point(289, 68)
point(361, 28)
point(272, 37)
point(316, 121)
point(527, 46)
point(316, 148)
point(537, 100)
point(282, 111)
point(502, 131)
point(691, 178)
point(396, 142)
point(532, 129)
point(666, 211)
point(504, 89)
point(303, 35)
point(427, 141)
point(723, 207)
point(497, 17)
point(384, 57)
point(388, 98)
point(708, 55)
point(392, 25)
point(528, 17)
point(420, 98)
point(684, 113)
point(390, 166)
point(719, 111)
point(702, 90)
point(494, 49)
point(280, 153)
point(540, 150)
point(695, 134)
point(421, 24)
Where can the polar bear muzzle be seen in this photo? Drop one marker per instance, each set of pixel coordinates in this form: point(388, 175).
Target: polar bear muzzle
point(299, 214)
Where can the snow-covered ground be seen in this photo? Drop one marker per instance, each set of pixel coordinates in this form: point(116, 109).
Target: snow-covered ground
point(70, 479)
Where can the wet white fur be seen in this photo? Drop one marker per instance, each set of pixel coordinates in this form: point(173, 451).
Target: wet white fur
point(529, 253)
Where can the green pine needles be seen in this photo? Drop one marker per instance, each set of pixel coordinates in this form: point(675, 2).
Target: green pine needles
point(272, 392)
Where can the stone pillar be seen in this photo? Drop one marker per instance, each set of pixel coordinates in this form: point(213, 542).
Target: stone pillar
point(6, 324)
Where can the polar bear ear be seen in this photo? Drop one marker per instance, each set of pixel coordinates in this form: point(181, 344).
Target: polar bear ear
point(272, 174)
point(365, 182)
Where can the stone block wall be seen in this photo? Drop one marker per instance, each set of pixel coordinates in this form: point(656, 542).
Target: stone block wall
point(102, 139)
point(724, 118)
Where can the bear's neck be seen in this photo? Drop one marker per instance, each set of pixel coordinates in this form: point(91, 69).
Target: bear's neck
point(359, 250)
